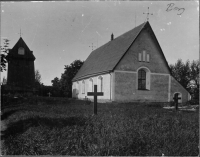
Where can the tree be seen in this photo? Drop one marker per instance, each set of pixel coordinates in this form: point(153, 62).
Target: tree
point(4, 52)
point(56, 87)
point(55, 82)
point(181, 72)
point(37, 77)
point(195, 65)
point(187, 74)
point(38, 84)
point(67, 76)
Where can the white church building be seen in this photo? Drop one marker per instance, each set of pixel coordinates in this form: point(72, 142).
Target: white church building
point(129, 68)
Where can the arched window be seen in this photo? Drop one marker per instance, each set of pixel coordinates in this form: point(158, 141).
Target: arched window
point(100, 84)
point(91, 85)
point(141, 79)
point(83, 87)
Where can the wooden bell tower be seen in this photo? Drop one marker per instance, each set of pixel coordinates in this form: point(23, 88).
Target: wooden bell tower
point(21, 71)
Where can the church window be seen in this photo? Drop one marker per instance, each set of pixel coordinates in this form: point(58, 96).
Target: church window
point(140, 57)
point(91, 85)
point(144, 55)
point(83, 87)
point(147, 57)
point(100, 84)
point(77, 87)
point(141, 79)
point(143, 82)
point(21, 51)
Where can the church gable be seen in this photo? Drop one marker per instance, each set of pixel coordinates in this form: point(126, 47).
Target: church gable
point(144, 52)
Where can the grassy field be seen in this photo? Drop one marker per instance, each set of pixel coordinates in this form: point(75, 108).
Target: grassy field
point(67, 127)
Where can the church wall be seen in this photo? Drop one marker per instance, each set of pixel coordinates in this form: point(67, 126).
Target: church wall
point(126, 88)
point(146, 42)
point(77, 88)
point(176, 87)
point(159, 87)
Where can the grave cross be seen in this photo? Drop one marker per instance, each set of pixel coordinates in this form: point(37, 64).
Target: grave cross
point(49, 94)
point(95, 94)
point(176, 101)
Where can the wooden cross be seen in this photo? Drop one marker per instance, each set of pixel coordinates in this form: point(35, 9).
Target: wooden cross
point(95, 94)
point(49, 94)
point(148, 14)
point(176, 101)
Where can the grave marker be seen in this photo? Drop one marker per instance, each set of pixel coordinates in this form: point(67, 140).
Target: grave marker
point(176, 101)
point(95, 94)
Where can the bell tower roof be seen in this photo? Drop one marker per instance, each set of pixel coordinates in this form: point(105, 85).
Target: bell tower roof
point(14, 52)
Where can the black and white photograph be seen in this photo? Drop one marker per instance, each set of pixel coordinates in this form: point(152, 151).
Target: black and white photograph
point(100, 78)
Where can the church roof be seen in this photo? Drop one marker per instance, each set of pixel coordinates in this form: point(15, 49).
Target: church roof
point(105, 58)
point(14, 51)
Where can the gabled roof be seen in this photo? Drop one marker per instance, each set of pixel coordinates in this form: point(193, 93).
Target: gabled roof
point(105, 58)
point(14, 51)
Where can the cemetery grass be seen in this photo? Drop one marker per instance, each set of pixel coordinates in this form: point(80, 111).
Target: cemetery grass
point(69, 128)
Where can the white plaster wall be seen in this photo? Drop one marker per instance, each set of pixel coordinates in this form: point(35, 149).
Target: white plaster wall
point(106, 87)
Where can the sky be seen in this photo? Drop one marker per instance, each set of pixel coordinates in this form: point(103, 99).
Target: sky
point(61, 32)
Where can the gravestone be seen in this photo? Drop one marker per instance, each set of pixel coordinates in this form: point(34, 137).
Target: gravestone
point(95, 94)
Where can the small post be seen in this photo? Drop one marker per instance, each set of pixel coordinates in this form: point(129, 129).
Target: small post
point(95, 94)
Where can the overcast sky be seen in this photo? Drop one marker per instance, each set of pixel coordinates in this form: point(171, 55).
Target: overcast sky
point(60, 32)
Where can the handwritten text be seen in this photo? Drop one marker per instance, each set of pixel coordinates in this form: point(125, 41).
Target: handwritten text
point(171, 7)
